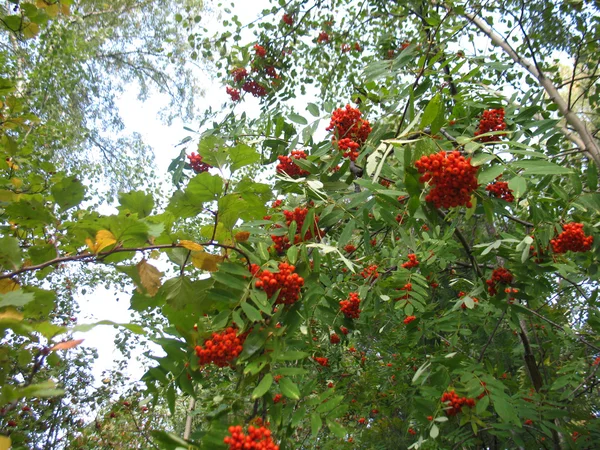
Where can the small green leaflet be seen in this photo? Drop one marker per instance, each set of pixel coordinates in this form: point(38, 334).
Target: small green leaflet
point(263, 386)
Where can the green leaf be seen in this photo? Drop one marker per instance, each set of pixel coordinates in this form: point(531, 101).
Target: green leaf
point(289, 389)
point(15, 298)
point(490, 174)
point(242, 155)
point(540, 167)
point(292, 355)
point(204, 187)
point(336, 428)
point(330, 404)
point(315, 423)
point(298, 119)
point(313, 109)
point(434, 432)
point(505, 410)
point(68, 192)
point(263, 386)
point(518, 185)
point(431, 111)
point(251, 312)
point(136, 202)
point(10, 253)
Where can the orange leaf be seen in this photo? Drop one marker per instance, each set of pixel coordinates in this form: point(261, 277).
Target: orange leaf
point(8, 285)
point(66, 345)
point(149, 277)
point(242, 236)
point(191, 245)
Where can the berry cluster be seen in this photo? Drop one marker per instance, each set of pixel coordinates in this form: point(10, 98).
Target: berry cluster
point(260, 51)
point(452, 176)
point(285, 281)
point(277, 398)
point(499, 189)
point(323, 37)
point(350, 307)
point(233, 93)
point(412, 261)
point(407, 288)
point(239, 74)
point(491, 120)
point(288, 166)
point(572, 239)
point(322, 361)
point(256, 439)
point(196, 162)
point(499, 275)
point(344, 330)
point(456, 403)
point(298, 215)
point(349, 248)
point(370, 272)
point(409, 319)
point(287, 19)
point(221, 348)
point(254, 88)
point(334, 338)
point(350, 130)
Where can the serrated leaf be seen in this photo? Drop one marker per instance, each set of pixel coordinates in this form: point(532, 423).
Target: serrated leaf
point(289, 389)
point(149, 277)
point(431, 111)
point(206, 261)
point(15, 298)
point(251, 312)
point(68, 192)
point(191, 245)
point(263, 387)
point(315, 423)
point(518, 185)
point(298, 119)
point(104, 238)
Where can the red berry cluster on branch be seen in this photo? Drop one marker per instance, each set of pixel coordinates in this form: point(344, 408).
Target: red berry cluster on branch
point(323, 37)
point(456, 403)
point(572, 239)
point(221, 348)
point(407, 288)
point(350, 307)
point(412, 261)
point(344, 330)
point(288, 166)
point(239, 74)
point(491, 120)
point(409, 319)
point(254, 88)
point(452, 176)
point(370, 272)
point(500, 189)
point(260, 51)
point(322, 361)
point(287, 19)
point(256, 439)
point(334, 338)
point(196, 162)
point(350, 130)
point(499, 276)
point(461, 294)
point(298, 215)
point(285, 281)
point(349, 248)
point(233, 93)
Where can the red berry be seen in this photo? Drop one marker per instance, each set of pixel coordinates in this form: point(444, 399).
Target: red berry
point(572, 239)
point(350, 306)
point(221, 349)
point(491, 120)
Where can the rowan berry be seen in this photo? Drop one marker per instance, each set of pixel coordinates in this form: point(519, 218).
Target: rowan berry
point(288, 166)
point(287, 19)
point(407, 288)
point(412, 431)
point(277, 398)
point(330, 385)
point(350, 130)
point(285, 281)
point(412, 261)
point(385, 183)
point(500, 189)
point(344, 330)
point(254, 88)
point(596, 361)
point(491, 120)
point(322, 361)
point(276, 378)
point(455, 403)
point(334, 339)
point(233, 93)
point(452, 177)
point(221, 348)
point(370, 272)
point(350, 306)
point(323, 37)
point(257, 439)
point(409, 319)
point(346, 48)
point(357, 47)
point(239, 74)
point(260, 51)
point(362, 420)
point(404, 45)
point(528, 422)
point(499, 275)
point(196, 162)
point(11, 423)
point(349, 248)
point(430, 418)
point(572, 239)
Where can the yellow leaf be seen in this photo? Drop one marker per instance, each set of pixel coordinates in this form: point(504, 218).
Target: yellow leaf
point(206, 261)
point(52, 9)
point(8, 285)
point(66, 345)
point(242, 236)
point(11, 314)
point(104, 238)
point(5, 443)
point(12, 165)
point(191, 245)
point(65, 9)
point(41, 4)
point(16, 182)
point(149, 277)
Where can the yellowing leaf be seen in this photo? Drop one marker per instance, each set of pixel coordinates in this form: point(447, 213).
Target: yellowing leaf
point(12, 165)
point(191, 245)
point(8, 285)
point(242, 236)
point(66, 345)
point(41, 4)
point(104, 238)
point(206, 261)
point(16, 182)
point(11, 314)
point(5, 443)
point(65, 9)
point(149, 277)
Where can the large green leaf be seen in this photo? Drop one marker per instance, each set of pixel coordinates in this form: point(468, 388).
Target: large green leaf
point(68, 192)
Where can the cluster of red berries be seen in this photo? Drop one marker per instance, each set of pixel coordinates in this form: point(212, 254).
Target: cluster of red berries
point(254, 88)
point(350, 307)
point(277, 398)
point(322, 361)
point(412, 431)
point(221, 348)
point(334, 338)
point(349, 248)
point(370, 272)
point(323, 37)
point(456, 403)
point(256, 439)
point(239, 74)
point(233, 93)
point(350, 130)
point(412, 261)
point(499, 276)
point(285, 281)
point(499, 189)
point(298, 215)
point(452, 176)
point(288, 166)
point(196, 162)
point(407, 288)
point(572, 239)
point(461, 294)
point(344, 330)
point(409, 319)
point(347, 47)
point(491, 120)
point(260, 51)
point(287, 19)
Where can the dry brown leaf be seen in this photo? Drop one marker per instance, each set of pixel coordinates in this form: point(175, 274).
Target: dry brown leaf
point(149, 277)
point(104, 238)
point(66, 345)
point(191, 245)
point(206, 261)
point(242, 236)
point(8, 285)
point(11, 314)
